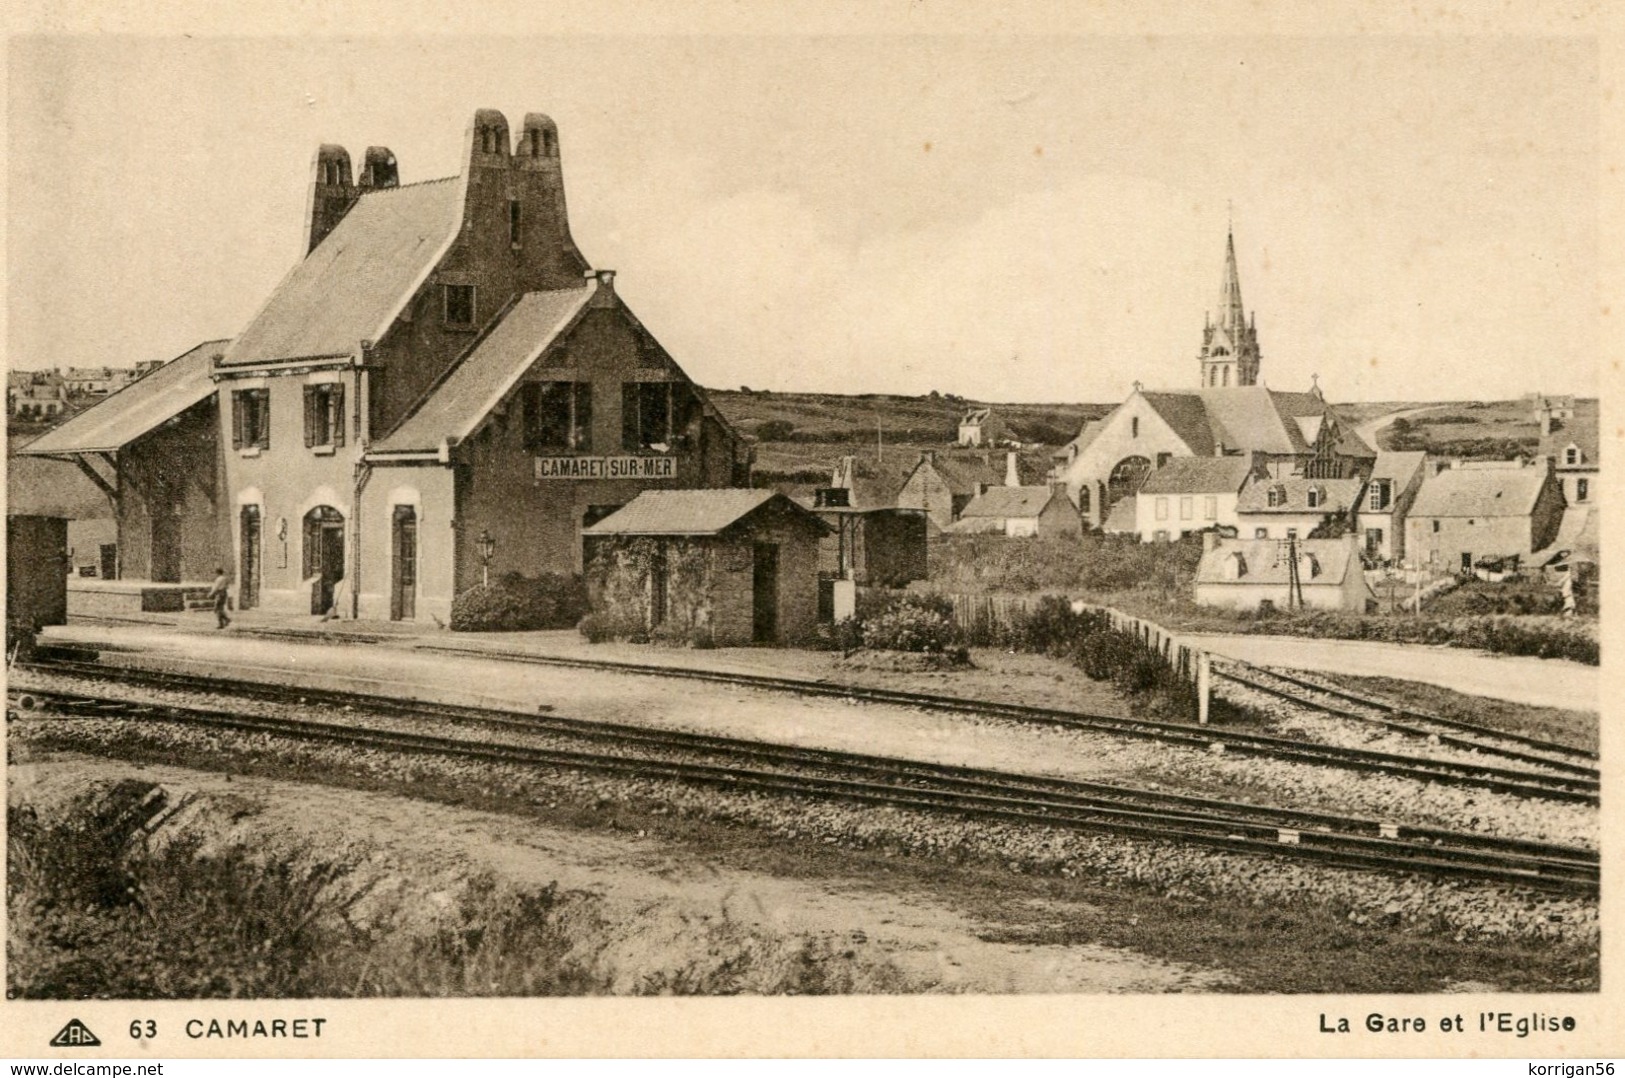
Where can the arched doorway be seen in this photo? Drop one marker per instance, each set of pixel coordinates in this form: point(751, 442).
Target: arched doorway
point(1126, 479)
point(324, 555)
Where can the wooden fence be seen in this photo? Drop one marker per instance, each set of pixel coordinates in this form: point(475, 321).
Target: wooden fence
point(981, 617)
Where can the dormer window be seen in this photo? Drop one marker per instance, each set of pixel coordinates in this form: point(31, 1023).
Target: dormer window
point(1277, 496)
point(1315, 497)
point(1379, 495)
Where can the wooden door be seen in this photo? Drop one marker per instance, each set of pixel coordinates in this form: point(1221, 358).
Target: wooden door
point(765, 594)
point(404, 578)
point(248, 573)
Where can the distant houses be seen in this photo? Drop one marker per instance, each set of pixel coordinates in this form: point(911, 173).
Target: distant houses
point(1021, 512)
point(1245, 574)
point(980, 427)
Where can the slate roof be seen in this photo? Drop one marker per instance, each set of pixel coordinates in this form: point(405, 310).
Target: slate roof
point(1187, 415)
point(1579, 430)
point(694, 512)
point(1340, 495)
point(1198, 475)
point(357, 278)
point(456, 404)
point(1004, 503)
point(1480, 492)
point(1265, 562)
point(964, 474)
point(1398, 468)
point(136, 409)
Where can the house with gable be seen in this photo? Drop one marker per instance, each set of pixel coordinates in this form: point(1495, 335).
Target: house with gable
point(1020, 512)
point(1294, 507)
point(1568, 438)
point(982, 427)
point(1483, 511)
point(1389, 494)
point(941, 485)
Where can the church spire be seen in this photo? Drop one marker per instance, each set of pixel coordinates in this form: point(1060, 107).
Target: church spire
point(1229, 339)
point(1231, 313)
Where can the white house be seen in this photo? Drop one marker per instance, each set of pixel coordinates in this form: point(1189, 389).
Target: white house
point(1189, 494)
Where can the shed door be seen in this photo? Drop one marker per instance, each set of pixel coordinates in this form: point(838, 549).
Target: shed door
point(765, 594)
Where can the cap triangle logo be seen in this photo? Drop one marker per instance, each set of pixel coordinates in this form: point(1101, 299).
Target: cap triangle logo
point(75, 1035)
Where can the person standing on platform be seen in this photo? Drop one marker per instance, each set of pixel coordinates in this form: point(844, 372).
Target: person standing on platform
point(220, 592)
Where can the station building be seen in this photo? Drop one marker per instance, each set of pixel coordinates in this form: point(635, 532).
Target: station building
point(442, 388)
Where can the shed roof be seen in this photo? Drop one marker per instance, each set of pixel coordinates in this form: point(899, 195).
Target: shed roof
point(454, 407)
point(1266, 561)
point(1340, 495)
point(1006, 502)
point(136, 409)
point(52, 488)
point(1480, 492)
point(357, 278)
point(695, 512)
point(1198, 475)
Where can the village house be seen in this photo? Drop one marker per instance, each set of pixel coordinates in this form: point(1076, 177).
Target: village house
point(941, 485)
point(727, 567)
point(1190, 494)
point(1483, 511)
point(96, 381)
point(1020, 512)
point(1246, 574)
point(1568, 438)
point(1284, 434)
point(982, 427)
point(1294, 507)
point(35, 395)
point(1389, 494)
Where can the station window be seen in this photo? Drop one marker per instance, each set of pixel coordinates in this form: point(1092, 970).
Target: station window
point(459, 304)
point(654, 414)
point(558, 415)
point(324, 414)
point(251, 419)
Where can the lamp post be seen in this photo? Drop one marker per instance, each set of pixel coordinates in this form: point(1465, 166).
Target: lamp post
point(488, 546)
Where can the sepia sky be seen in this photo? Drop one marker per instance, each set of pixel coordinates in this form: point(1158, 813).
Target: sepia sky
point(1024, 218)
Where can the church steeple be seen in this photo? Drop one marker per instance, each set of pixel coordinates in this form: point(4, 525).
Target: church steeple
point(1230, 343)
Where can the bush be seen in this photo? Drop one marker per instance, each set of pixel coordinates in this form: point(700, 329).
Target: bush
point(515, 602)
point(911, 626)
point(775, 430)
point(601, 628)
point(1052, 627)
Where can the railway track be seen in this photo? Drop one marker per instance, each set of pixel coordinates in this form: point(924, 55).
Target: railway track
point(1522, 783)
point(974, 792)
point(1469, 737)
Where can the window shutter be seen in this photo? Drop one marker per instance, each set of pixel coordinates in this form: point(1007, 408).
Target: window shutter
point(631, 431)
point(262, 403)
point(310, 416)
point(336, 403)
point(237, 420)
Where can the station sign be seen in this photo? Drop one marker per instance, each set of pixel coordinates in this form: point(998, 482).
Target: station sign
point(606, 468)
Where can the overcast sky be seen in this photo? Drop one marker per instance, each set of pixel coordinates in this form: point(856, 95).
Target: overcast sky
point(1019, 219)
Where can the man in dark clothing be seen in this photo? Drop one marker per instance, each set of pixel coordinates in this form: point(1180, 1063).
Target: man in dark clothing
point(220, 592)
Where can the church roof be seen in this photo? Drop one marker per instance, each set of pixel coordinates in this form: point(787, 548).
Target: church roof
point(1232, 315)
point(348, 288)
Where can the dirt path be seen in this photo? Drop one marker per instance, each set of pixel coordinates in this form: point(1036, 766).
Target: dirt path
point(427, 850)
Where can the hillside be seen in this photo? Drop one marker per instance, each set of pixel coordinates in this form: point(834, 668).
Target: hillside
point(1473, 430)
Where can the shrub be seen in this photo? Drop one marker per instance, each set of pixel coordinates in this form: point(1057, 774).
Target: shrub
point(845, 636)
point(601, 628)
point(1052, 627)
point(775, 430)
point(911, 626)
point(515, 602)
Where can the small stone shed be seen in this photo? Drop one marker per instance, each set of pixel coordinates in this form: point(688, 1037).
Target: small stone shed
point(725, 567)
